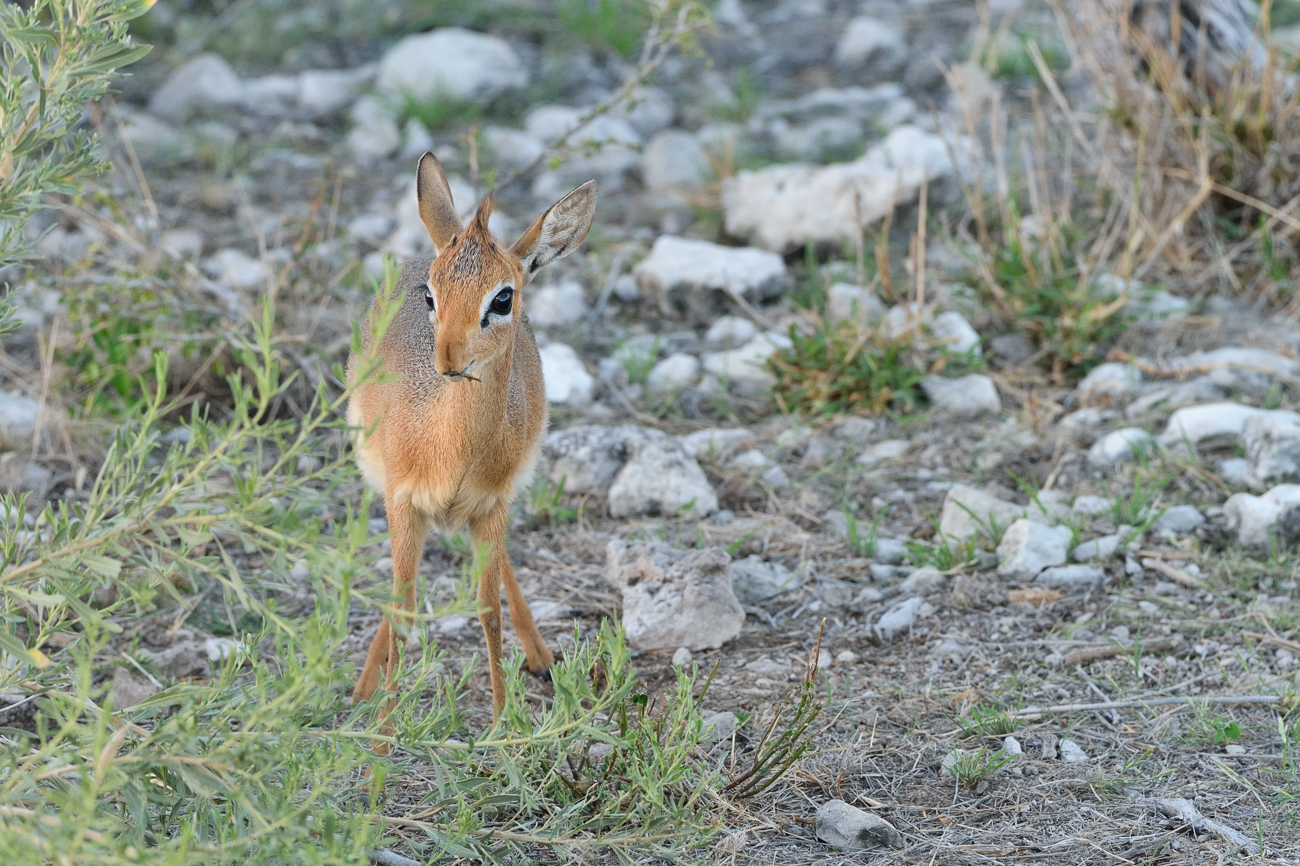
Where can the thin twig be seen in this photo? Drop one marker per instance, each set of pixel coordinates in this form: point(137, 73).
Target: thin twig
point(1233, 700)
point(1088, 654)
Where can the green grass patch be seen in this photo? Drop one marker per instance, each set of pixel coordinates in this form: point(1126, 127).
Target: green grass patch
point(614, 26)
point(845, 369)
point(1067, 317)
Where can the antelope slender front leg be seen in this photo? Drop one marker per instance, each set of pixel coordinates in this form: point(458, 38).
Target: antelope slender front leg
point(488, 534)
point(407, 528)
point(536, 651)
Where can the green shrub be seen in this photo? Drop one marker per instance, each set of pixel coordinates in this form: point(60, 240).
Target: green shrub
point(56, 56)
point(835, 370)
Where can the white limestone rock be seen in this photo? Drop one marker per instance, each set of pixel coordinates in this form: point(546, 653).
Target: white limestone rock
point(182, 243)
point(451, 64)
point(967, 397)
point(847, 302)
point(270, 95)
point(1103, 547)
point(1028, 547)
point(673, 374)
point(556, 305)
point(871, 42)
point(968, 512)
point(1197, 424)
point(1272, 450)
point(647, 109)
point(156, 142)
point(199, 83)
point(886, 449)
point(512, 148)
point(1071, 577)
point(606, 149)
point(1072, 752)
point(690, 277)
point(236, 269)
point(783, 207)
point(1260, 521)
point(1167, 398)
point(1090, 506)
point(659, 478)
point(674, 598)
point(755, 580)
point(841, 825)
point(587, 458)
point(899, 618)
point(744, 370)
point(715, 442)
point(566, 379)
point(954, 333)
point(1179, 519)
point(730, 331)
point(674, 163)
point(374, 134)
point(1232, 471)
point(1111, 382)
point(18, 418)
point(323, 92)
point(1120, 446)
point(1253, 370)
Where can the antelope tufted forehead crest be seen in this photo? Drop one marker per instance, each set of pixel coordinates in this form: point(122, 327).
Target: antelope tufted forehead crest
point(473, 255)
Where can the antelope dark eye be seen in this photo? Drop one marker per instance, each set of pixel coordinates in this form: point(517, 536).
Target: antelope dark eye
point(428, 296)
point(501, 303)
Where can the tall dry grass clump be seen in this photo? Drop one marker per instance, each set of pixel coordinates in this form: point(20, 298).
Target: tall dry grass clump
point(1168, 152)
point(1206, 116)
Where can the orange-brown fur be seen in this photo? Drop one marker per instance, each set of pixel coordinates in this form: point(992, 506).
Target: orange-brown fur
point(455, 426)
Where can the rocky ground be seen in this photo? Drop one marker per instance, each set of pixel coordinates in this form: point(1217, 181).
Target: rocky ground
point(1014, 586)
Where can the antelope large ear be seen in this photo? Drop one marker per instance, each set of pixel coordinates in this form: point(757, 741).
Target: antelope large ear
point(557, 232)
point(437, 211)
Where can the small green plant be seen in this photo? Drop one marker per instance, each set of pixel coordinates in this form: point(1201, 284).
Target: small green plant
point(971, 768)
point(1225, 732)
point(986, 721)
point(637, 360)
point(544, 502)
point(1214, 730)
point(862, 543)
point(748, 94)
point(785, 740)
point(1138, 507)
point(438, 113)
point(1068, 317)
point(809, 290)
point(608, 25)
point(1288, 730)
point(845, 369)
point(944, 552)
point(1008, 57)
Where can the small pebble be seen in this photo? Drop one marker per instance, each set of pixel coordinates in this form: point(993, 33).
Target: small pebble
point(682, 657)
point(844, 826)
point(846, 657)
point(1071, 753)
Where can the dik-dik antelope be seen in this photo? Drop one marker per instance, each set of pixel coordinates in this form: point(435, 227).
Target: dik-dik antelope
point(454, 426)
